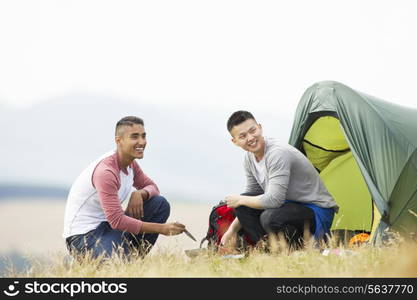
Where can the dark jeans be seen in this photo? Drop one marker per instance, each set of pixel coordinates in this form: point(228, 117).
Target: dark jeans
point(289, 219)
point(104, 240)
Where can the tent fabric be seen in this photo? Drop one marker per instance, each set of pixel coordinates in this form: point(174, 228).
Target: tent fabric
point(324, 141)
point(382, 137)
point(344, 181)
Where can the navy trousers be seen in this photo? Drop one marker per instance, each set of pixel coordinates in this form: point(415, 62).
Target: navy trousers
point(291, 219)
point(104, 240)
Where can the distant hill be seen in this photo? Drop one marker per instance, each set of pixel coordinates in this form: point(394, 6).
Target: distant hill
point(189, 153)
point(12, 191)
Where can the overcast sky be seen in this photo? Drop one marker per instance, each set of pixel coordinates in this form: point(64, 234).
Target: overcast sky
point(219, 54)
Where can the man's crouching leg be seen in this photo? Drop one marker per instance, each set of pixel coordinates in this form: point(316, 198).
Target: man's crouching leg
point(249, 220)
point(289, 220)
point(156, 210)
point(101, 242)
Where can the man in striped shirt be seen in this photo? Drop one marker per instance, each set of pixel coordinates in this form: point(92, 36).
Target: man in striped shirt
point(94, 218)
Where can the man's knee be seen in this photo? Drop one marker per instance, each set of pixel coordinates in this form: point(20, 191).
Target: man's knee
point(241, 210)
point(267, 220)
point(277, 219)
point(163, 205)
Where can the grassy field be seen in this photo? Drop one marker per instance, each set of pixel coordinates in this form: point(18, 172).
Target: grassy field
point(46, 252)
point(398, 259)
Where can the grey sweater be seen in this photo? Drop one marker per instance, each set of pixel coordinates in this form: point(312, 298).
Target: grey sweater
point(289, 176)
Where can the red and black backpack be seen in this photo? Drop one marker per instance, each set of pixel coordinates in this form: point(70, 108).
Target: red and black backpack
point(221, 216)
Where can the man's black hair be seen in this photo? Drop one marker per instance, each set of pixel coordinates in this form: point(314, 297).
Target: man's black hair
point(237, 118)
point(128, 121)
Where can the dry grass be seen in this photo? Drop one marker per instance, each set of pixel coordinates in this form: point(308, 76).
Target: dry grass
point(397, 259)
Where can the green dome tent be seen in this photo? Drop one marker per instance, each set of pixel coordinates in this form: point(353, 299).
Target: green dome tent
point(365, 151)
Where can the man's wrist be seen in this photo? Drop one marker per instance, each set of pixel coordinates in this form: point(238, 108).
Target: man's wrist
point(232, 230)
point(144, 194)
point(242, 201)
point(148, 227)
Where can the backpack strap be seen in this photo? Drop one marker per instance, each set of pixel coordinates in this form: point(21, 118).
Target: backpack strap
point(202, 241)
point(206, 238)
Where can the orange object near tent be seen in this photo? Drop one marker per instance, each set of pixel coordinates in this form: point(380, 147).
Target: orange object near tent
point(359, 239)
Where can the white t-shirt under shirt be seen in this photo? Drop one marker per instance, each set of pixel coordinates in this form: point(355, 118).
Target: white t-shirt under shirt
point(260, 170)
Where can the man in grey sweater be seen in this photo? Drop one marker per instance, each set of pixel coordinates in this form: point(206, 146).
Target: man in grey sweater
point(284, 192)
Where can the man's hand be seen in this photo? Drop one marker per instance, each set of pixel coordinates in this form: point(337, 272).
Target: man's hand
point(233, 201)
point(229, 239)
point(172, 228)
point(135, 205)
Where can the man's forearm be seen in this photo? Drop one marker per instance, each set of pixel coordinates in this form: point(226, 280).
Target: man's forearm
point(235, 226)
point(251, 201)
point(148, 227)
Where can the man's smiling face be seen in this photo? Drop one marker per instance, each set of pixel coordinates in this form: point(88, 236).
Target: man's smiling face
point(248, 136)
point(132, 141)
